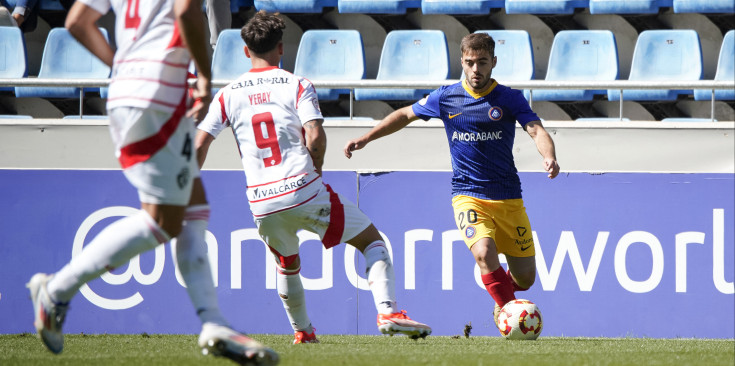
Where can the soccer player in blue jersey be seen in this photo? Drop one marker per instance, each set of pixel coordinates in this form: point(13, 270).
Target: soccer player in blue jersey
point(479, 117)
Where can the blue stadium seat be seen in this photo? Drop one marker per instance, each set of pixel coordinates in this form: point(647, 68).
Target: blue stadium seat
point(544, 6)
point(330, 55)
point(704, 6)
point(294, 6)
point(514, 51)
point(13, 61)
point(65, 58)
point(414, 55)
point(377, 6)
point(580, 55)
point(229, 60)
point(460, 6)
point(725, 70)
point(628, 6)
point(663, 55)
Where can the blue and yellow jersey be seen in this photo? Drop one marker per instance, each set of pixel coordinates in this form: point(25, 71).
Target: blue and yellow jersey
point(480, 129)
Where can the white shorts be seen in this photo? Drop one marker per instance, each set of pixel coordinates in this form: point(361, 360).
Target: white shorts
point(329, 215)
point(156, 151)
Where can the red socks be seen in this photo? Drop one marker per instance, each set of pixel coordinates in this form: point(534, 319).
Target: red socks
point(500, 286)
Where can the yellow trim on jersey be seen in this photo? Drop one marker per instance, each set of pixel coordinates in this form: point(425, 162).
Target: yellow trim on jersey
point(480, 95)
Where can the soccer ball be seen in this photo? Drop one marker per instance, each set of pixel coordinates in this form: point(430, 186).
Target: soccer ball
point(520, 319)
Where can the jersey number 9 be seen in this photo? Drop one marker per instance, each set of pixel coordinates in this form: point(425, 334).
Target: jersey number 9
point(269, 142)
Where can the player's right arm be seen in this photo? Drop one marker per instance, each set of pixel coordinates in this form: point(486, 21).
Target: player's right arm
point(81, 23)
point(392, 123)
point(202, 142)
point(191, 25)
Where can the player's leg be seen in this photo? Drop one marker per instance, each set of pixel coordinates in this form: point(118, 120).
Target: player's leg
point(473, 218)
point(279, 232)
point(381, 279)
point(497, 282)
point(356, 229)
point(515, 239)
point(522, 272)
point(163, 200)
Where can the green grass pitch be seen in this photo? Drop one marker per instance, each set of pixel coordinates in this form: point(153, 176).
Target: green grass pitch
point(337, 350)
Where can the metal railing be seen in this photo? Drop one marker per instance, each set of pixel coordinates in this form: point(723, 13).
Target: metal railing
point(383, 84)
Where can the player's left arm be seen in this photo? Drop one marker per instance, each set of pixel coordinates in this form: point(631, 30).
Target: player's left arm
point(191, 25)
point(545, 146)
point(316, 142)
point(81, 23)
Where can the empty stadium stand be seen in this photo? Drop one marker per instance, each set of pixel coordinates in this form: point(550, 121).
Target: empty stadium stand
point(331, 55)
point(65, 58)
point(410, 55)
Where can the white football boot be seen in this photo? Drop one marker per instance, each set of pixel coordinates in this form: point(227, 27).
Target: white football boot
point(401, 323)
point(222, 341)
point(49, 316)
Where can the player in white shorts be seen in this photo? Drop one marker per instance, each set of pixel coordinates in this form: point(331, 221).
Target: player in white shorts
point(278, 127)
point(152, 126)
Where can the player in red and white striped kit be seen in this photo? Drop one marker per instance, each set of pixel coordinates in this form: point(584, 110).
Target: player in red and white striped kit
point(278, 127)
point(152, 126)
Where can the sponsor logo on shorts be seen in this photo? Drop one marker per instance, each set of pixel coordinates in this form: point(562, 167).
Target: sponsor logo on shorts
point(495, 113)
point(470, 232)
point(278, 188)
point(521, 230)
point(182, 179)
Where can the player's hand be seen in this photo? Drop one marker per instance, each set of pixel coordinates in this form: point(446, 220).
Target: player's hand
point(551, 167)
point(355, 144)
point(202, 97)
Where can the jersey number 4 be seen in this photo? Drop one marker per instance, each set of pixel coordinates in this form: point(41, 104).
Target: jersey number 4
point(132, 16)
point(271, 141)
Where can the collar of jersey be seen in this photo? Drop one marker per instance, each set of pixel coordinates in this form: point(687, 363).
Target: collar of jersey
point(476, 95)
point(261, 69)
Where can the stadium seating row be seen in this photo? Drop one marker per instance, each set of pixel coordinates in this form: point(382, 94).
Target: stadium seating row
point(417, 55)
point(414, 55)
point(457, 7)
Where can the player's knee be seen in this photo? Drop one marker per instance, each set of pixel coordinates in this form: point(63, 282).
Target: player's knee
point(172, 228)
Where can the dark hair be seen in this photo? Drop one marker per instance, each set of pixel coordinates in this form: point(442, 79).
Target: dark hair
point(478, 42)
point(263, 32)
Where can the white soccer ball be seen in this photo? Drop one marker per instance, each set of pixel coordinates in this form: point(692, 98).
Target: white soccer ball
point(520, 319)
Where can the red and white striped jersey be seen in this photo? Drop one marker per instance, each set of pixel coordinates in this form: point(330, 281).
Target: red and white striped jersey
point(266, 109)
point(151, 62)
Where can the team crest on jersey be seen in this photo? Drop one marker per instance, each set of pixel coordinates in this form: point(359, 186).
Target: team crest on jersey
point(469, 232)
point(495, 113)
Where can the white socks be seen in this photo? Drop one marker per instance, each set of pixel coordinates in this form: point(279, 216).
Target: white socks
point(291, 292)
point(381, 278)
point(112, 247)
point(193, 262)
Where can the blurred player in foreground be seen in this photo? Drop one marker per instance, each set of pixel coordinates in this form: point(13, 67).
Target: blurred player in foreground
point(278, 127)
point(479, 117)
point(153, 132)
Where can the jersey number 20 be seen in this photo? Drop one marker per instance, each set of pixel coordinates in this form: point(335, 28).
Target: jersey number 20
point(269, 142)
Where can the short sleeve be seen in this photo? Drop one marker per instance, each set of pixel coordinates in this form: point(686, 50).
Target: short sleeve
point(307, 103)
point(100, 6)
point(428, 107)
point(216, 119)
point(520, 108)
